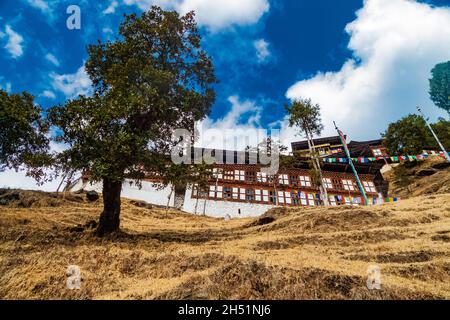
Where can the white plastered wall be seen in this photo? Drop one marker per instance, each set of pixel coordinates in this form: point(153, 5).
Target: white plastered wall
point(220, 209)
point(147, 193)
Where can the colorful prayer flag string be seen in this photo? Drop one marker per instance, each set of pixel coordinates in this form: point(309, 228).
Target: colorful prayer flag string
point(392, 158)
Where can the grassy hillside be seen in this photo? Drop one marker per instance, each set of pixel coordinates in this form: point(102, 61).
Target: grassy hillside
point(287, 254)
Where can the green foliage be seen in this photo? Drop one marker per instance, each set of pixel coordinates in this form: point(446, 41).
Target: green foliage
point(440, 86)
point(442, 130)
point(410, 135)
point(23, 143)
point(305, 115)
point(315, 176)
point(181, 175)
point(153, 79)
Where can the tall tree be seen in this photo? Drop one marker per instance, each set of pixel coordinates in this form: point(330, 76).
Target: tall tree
point(23, 141)
point(442, 130)
point(155, 78)
point(305, 116)
point(440, 86)
point(408, 135)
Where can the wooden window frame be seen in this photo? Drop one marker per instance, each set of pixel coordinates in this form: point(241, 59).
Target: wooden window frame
point(369, 186)
point(305, 181)
point(347, 183)
point(239, 175)
point(293, 180)
point(250, 176)
point(250, 195)
point(217, 173)
point(328, 183)
point(227, 193)
point(262, 177)
point(283, 179)
point(228, 175)
point(216, 192)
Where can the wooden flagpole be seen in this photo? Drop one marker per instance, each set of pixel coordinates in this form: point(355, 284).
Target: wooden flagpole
point(347, 152)
point(446, 155)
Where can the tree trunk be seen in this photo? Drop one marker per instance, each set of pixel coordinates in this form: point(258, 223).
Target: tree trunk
point(168, 198)
point(196, 204)
point(316, 165)
point(110, 217)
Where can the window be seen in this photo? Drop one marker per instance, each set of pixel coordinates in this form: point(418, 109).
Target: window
point(195, 190)
point(307, 199)
point(239, 175)
point(228, 175)
point(332, 200)
point(305, 181)
point(235, 193)
point(227, 193)
point(283, 179)
point(348, 185)
point(284, 197)
point(250, 195)
point(216, 192)
point(377, 152)
point(295, 198)
point(242, 195)
point(287, 198)
point(294, 180)
point(217, 173)
point(324, 151)
point(272, 197)
point(262, 177)
point(337, 183)
point(198, 192)
point(280, 197)
point(250, 176)
point(327, 183)
point(265, 194)
point(369, 186)
point(258, 196)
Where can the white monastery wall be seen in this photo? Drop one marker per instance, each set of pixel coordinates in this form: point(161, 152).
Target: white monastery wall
point(220, 209)
point(147, 193)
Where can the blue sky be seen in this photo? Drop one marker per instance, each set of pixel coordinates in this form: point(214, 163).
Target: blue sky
point(366, 62)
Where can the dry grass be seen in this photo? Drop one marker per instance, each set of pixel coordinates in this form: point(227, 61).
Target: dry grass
point(288, 254)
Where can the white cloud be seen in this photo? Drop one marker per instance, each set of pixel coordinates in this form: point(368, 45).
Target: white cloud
point(215, 14)
point(48, 94)
point(107, 30)
point(111, 8)
point(50, 57)
point(72, 85)
point(232, 131)
point(5, 85)
point(15, 42)
point(395, 44)
point(262, 50)
point(39, 4)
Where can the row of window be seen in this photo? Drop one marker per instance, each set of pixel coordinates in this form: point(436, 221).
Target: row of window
point(257, 195)
point(293, 180)
point(267, 196)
